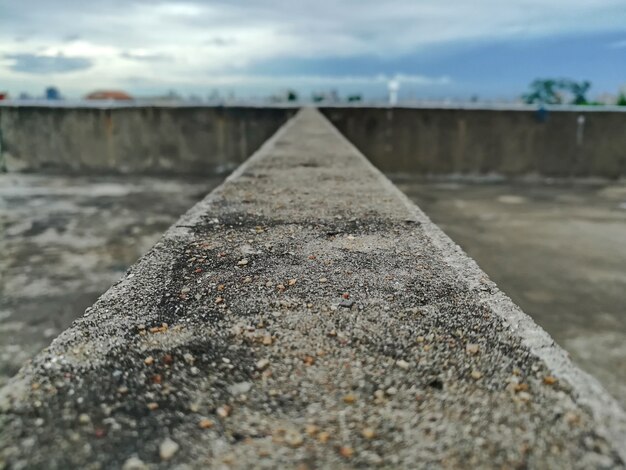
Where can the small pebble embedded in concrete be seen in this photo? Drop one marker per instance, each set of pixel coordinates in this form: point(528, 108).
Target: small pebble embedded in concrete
point(402, 364)
point(368, 433)
point(262, 364)
point(134, 463)
point(168, 448)
point(205, 423)
point(549, 380)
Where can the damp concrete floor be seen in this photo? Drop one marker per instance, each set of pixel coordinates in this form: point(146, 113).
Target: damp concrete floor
point(65, 240)
point(558, 250)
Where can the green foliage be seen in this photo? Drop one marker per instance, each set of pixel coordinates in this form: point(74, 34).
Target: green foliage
point(553, 91)
point(355, 98)
point(543, 92)
point(621, 101)
point(292, 95)
point(579, 90)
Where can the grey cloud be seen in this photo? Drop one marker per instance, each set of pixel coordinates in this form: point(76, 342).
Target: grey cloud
point(72, 37)
point(220, 42)
point(385, 24)
point(323, 28)
point(40, 64)
point(146, 57)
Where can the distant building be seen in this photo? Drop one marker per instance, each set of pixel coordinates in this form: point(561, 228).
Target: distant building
point(394, 86)
point(607, 98)
point(53, 93)
point(4, 95)
point(169, 98)
point(109, 95)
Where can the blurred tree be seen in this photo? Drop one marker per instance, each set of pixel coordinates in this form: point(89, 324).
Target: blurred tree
point(552, 91)
point(355, 98)
point(621, 101)
point(578, 90)
point(292, 95)
point(543, 91)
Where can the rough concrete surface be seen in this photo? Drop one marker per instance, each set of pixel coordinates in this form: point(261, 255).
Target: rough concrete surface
point(306, 315)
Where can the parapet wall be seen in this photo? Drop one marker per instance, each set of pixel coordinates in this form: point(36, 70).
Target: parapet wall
point(575, 142)
point(134, 140)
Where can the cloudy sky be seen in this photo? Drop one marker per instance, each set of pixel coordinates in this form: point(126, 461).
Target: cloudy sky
point(436, 48)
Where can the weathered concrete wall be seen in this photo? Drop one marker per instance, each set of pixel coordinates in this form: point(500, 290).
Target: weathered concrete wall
point(203, 140)
point(135, 140)
point(481, 141)
point(306, 314)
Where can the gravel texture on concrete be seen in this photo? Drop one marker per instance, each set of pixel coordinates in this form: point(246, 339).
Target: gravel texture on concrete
point(306, 315)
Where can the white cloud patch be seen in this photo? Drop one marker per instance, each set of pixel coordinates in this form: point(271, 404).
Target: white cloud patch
point(199, 43)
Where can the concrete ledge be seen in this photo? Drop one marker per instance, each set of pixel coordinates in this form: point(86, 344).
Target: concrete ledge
point(306, 313)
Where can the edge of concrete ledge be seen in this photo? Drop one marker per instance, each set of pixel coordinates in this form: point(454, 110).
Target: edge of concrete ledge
point(609, 415)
